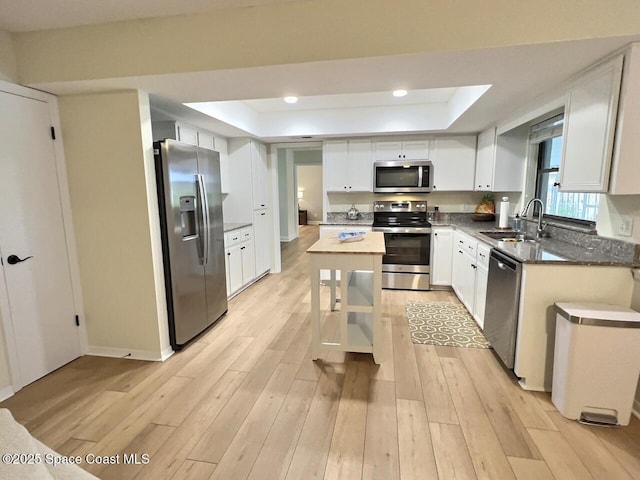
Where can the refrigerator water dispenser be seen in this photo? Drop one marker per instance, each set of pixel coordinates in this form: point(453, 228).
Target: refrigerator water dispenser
point(188, 217)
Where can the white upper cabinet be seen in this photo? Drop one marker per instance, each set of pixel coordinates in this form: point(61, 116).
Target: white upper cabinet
point(199, 137)
point(589, 125)
point(453, 161)
point(259, 175)
point(624, 168)
point(485, 160)
point(335, 166)
point(221, 147)
point(206, 140)
point(360, 165)
point(347, 165)
point(396, 150)
point(500, 160)
point(177, 131)
point(186, 134)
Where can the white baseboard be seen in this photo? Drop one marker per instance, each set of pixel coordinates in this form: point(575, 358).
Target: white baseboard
point(6, 392)
point(128, 353)
point(288, 239)
point(314, 222)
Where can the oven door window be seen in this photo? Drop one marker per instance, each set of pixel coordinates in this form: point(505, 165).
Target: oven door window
point(397, 177)
point(406, 249)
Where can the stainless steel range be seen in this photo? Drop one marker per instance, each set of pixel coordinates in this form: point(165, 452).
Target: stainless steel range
point(407, 238)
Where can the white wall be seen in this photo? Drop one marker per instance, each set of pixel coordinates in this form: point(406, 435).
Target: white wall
point(310, 183)
point(286, 188)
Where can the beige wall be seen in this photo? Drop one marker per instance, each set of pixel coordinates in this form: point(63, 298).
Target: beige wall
point(108, 153)
point(8, 68)
point(310, 31)
point(310, 182)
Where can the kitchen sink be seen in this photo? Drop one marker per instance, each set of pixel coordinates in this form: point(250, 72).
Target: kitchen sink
point(509, 236)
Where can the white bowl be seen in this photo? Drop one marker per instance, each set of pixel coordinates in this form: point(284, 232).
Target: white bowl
point(351, 236)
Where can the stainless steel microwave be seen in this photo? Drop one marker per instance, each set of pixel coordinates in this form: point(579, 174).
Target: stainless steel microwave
point(402, 176)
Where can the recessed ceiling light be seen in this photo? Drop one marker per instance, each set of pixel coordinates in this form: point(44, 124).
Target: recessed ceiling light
point(291, 99)
point(399, 93)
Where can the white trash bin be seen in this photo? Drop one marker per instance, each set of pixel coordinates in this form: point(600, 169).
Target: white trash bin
point(596, 362)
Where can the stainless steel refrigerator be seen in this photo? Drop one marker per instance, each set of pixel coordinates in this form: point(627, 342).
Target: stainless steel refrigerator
point(190, 202)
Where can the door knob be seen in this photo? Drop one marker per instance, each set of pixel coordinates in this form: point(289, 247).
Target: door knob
point(13, 259)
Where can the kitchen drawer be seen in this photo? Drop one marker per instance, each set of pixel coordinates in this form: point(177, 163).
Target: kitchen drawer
point(465, 243)
point(459, 240)
point(471, 247)
point(238, 236)
point(246, 233)
point(482, 255)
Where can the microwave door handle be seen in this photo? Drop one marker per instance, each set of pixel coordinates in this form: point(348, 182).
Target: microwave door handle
point(420, 170)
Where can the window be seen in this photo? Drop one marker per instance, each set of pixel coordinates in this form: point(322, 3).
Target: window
point(547, 137)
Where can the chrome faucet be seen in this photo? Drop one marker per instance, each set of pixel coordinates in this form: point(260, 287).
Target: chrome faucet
point(540, 231)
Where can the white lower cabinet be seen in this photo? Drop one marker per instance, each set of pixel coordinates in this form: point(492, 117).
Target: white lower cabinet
point(482, 275)
point(470, 270)
point(262, 243)
point(441, 256)
point(239, 259)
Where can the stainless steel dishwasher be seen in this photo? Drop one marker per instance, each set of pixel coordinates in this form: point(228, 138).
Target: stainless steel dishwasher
point(503, 298)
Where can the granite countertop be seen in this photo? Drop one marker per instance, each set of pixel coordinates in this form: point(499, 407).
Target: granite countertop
point(568, 249)
point(345, 222)
point(340, 218)
point(546, 251)
point(235, 226)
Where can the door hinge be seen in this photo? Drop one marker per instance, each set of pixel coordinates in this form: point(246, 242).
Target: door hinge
point(77, 321)
point(53, 133)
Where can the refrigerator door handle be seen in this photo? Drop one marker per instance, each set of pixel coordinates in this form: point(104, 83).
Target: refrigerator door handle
point(205, 218)
point(201, 226)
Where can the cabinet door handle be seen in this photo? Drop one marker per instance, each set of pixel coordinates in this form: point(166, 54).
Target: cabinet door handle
point(473, 266)
point(556, 184)
point(459, 251)
point(263, 214)
point(435, 234)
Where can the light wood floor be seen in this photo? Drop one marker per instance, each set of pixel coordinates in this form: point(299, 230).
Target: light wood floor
point(246, 402)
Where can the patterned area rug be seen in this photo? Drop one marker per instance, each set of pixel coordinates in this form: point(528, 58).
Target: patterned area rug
point(443, 323)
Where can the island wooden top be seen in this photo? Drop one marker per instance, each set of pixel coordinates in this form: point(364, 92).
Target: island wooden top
point(371, 244)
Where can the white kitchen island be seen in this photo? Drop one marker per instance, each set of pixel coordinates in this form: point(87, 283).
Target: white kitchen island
point(360, 266)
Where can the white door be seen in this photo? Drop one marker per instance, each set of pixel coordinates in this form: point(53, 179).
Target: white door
point(41, 316)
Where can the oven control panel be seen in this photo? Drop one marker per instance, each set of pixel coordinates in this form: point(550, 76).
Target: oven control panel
point(399, 206)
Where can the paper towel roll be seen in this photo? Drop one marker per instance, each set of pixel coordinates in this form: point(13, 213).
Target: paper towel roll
point(503, 213)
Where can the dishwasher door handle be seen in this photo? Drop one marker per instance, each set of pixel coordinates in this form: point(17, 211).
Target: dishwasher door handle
point(502, 266)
